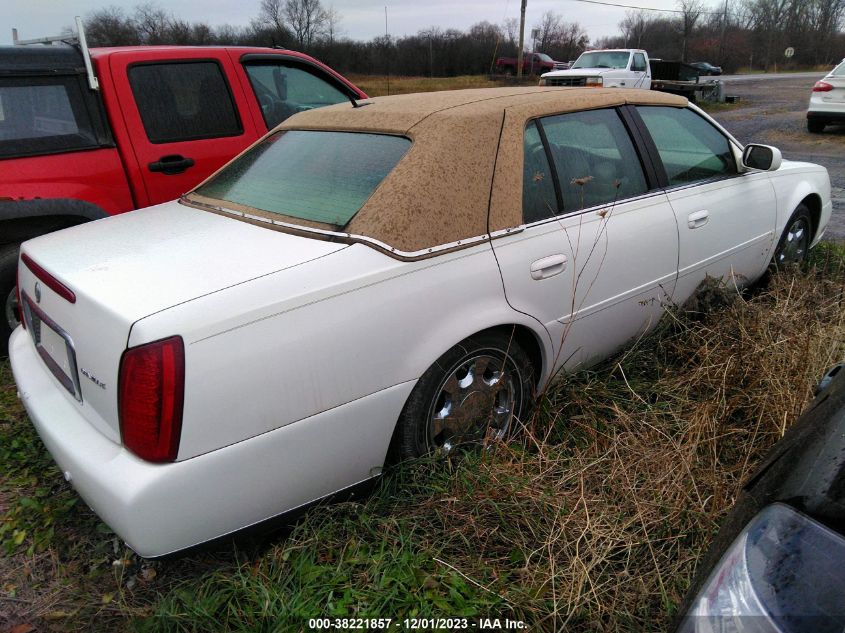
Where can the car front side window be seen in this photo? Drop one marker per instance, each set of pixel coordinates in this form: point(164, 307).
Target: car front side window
point(690, 147)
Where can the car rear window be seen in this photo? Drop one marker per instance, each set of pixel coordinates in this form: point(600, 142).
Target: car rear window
point(42, 115)
point(839, 71)
point(323, 177)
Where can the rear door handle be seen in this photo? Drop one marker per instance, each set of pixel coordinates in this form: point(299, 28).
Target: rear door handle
point(698, 219)
point(171, 164)
point(548, 266)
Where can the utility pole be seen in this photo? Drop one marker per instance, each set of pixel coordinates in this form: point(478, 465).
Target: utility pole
point(722, 40)
point(521, 39)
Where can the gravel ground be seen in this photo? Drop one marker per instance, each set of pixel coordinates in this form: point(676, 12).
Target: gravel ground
point(773, 111)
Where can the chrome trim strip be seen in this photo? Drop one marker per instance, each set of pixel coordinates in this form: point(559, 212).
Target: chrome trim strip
point(352, 237)
point(654, 193)
point(71, 383)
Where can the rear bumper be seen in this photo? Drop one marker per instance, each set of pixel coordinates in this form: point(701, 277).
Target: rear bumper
point(836, 114)
point(162, 508)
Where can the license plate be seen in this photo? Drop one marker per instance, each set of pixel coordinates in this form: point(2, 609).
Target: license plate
point(54, 346)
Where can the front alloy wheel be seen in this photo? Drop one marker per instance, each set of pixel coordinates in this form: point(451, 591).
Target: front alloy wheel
point(795, 242)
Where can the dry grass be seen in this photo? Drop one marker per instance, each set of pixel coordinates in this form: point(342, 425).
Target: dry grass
point(592, 519)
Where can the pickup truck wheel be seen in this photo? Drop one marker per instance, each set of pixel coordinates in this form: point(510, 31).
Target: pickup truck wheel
point(470, 396)
point(8, 295)
point(794, 244)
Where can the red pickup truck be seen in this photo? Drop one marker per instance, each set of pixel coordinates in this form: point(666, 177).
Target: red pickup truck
point(532, 64)
point(162, 119)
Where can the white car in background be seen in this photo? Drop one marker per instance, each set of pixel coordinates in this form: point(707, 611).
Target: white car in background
point(827, 101)
point(408, 271)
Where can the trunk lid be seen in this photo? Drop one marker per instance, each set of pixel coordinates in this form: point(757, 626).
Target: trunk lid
point(124, 268)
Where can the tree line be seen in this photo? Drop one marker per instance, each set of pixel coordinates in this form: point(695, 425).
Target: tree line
point(733, 33)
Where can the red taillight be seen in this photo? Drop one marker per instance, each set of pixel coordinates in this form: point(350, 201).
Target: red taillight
point(822, 86)
point(54, 284)
point(150, 393)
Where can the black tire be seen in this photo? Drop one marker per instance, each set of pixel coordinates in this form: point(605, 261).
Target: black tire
point(478, 359)
point(794, 245)
point(815, 126)
point(8, 295)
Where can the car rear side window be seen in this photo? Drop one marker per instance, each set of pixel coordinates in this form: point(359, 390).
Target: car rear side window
point(538, 189)
point(42, 115)
point(690, 147)
point(594, 158)
point(323, 177)
point(184, 101)
point(283, 90)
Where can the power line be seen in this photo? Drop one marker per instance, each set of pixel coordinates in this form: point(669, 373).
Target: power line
point(629, 6)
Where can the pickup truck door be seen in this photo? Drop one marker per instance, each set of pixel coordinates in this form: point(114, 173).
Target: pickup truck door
point(184, 114)
point(641, 72)
point(596, 259)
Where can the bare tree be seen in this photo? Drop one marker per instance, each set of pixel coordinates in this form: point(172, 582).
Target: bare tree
point(634, 26)
point(111, 27)
point(691, 11)
point(307, 19)
point(153, 23)
point(549, 27)
point(332, 24)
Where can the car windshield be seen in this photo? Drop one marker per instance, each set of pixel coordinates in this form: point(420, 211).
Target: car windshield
point(839, 71)
point(545, 57)
point(323, 177)
point(603, 59)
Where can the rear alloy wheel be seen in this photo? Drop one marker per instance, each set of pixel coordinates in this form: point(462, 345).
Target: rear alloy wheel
point(469, 397)
point(815, 126)
point(8, 295)
point(794, 244)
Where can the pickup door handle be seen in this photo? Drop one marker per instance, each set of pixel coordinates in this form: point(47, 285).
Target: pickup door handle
point(171, 165)
point(548, 266)
point(698, 219)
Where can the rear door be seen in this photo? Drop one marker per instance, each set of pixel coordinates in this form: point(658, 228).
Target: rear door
point(726, 219)
point(184, 115)
point(596, 260)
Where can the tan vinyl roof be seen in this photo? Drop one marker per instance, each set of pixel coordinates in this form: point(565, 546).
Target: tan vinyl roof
point(465, 142)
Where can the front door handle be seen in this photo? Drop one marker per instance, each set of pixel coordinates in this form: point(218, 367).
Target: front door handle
point(171, 165)
point(698, 219)
point(548, 266)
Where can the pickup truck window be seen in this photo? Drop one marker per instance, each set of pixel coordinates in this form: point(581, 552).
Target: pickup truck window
point(689, 146)
point(603, 59)
point(323, 177)
point(594, 159)
point(283, 90)
point(639, 64)
point(184, 101)
point(42, 115)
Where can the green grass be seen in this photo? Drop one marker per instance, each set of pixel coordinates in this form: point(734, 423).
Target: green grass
point(591, 518)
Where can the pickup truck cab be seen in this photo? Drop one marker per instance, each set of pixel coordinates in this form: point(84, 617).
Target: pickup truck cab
point(163, 119)
point(610, 68)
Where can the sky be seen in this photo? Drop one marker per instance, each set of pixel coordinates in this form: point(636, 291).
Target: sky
point(360, 19)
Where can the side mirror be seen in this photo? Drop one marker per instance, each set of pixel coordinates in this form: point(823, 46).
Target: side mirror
point(761, 157)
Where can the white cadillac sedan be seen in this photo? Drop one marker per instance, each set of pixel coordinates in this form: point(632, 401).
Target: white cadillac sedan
point(406, 271)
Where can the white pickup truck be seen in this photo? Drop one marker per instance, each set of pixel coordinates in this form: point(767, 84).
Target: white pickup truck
point(611, 68)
